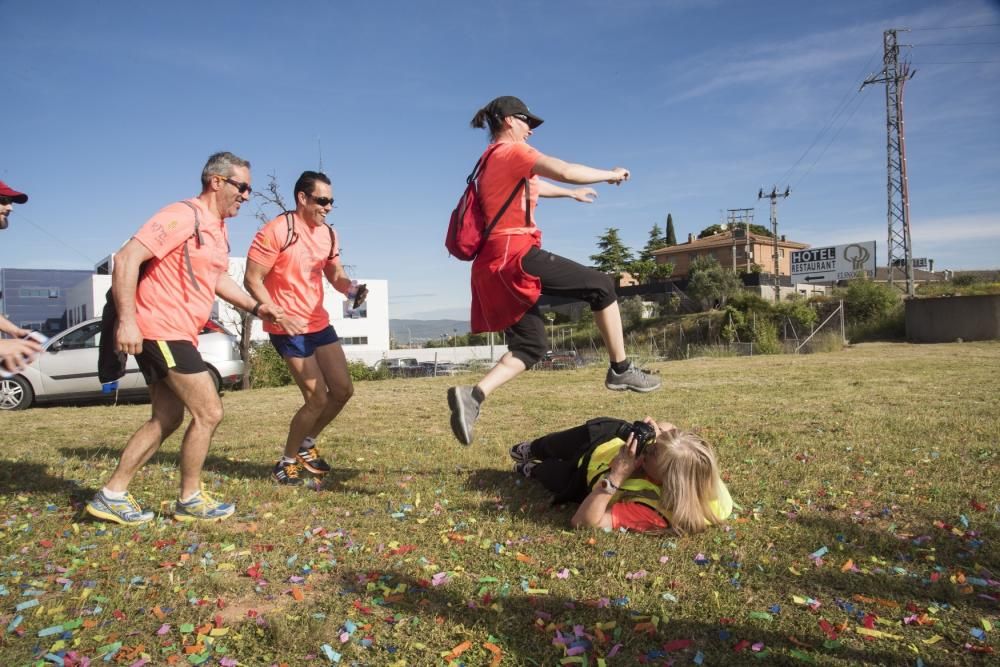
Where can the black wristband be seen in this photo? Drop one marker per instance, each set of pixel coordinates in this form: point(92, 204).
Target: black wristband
point(256, 309)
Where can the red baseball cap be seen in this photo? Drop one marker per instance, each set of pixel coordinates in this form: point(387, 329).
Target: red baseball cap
point(16, 197)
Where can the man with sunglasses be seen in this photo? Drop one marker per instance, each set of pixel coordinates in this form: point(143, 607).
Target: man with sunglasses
point(164, 282)
point(287, 262)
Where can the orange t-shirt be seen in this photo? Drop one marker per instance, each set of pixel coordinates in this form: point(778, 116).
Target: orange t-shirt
point(508, 163)
point(168, 307)
point(295, 275)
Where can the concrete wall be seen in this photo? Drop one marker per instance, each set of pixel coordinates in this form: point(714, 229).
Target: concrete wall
point(944, 319)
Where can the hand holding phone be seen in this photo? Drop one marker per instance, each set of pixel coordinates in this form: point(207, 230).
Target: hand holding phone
point(361, 295)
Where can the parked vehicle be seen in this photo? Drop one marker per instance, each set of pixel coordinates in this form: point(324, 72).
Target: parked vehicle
point(66, 369)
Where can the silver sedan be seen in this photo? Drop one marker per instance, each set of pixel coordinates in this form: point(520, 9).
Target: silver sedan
point(66, 369)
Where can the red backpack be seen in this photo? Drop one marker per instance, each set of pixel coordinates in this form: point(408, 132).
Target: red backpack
point(468, 230)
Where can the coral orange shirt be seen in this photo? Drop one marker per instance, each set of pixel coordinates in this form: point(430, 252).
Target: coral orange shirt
point(637, 517)
point(295, 275)
point(168, 307)
point(501, 291)
point(508, 164)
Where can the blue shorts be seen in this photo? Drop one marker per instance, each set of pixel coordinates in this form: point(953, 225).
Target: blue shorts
point(303, 345)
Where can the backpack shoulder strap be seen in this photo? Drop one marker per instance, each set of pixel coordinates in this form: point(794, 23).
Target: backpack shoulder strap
point(292, 236)
point(197, 237)
point(333, 242)
point(477, 171)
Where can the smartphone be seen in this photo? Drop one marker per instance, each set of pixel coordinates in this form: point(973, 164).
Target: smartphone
point(360, 296)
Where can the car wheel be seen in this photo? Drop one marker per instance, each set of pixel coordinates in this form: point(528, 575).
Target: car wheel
point(215, 379)
point(15, 394)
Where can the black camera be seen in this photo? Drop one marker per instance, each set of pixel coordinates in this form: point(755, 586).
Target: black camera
point(643, 432)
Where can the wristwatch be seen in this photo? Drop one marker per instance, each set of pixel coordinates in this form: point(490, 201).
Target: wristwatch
point(607, 486)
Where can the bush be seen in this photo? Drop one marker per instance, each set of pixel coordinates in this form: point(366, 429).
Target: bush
point(631, 311)
point(803, 317)
point(362, 371)
point(765, 337)
point(866, 301)
point(267, 368)
point(965, 280)
point(890, 326)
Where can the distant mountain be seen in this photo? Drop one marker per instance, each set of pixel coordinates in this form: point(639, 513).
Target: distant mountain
point(419, 331)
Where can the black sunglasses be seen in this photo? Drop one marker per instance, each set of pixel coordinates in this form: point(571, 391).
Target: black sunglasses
point(322, 201)
point(6, 201)
point(244, 188)
point(521, 116)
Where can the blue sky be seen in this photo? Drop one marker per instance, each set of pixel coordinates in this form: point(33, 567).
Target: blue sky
point(110, 109)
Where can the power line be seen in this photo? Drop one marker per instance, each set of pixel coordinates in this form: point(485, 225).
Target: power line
point(832, 139)
point(958, 27)
point(959, 62)
point(75, 250)
point(953, 44)
point(839, 109)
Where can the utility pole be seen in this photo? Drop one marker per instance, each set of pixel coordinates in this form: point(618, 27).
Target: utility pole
point(734, 218)
point(774, 230)
point(894, 74)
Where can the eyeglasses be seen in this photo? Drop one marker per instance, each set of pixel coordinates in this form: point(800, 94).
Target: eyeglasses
point(244, 188)
point(522, 117)
point(6, 201)
point(322, 201)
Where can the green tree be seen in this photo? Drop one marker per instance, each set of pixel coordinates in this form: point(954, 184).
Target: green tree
point(641, 270)
point(663, 271)
point(655, 242)
point(671, 234)
point(631, 311)
point(614, 255)
point(710, 284)
point(712, 230)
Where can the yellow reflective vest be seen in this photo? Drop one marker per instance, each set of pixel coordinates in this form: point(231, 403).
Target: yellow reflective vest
point(641, 490)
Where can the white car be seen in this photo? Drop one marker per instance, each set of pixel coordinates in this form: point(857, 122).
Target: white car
point(66, 369)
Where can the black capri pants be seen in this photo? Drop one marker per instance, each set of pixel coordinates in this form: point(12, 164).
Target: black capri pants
point(526, 340)
point(558, 468)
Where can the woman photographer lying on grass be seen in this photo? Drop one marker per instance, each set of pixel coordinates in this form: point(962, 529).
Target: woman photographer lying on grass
point(643, 476)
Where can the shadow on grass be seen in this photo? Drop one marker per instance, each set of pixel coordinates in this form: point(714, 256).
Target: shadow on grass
point(518, 495)
point(24, 477)
point(526, 642)
point(229, 467)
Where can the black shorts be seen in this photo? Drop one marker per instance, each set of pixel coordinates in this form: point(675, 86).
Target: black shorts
point(526, 340)
point(160, 356)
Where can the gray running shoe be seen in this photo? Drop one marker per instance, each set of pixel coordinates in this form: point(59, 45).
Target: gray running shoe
point(521, 452)
point(464, 412)
point(125, 511)
point(524, 468)
point(634, 378)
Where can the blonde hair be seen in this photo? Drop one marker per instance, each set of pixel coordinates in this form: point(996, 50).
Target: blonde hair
point(689, 479)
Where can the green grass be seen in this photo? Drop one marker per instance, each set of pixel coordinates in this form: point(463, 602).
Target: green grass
point(884, 454)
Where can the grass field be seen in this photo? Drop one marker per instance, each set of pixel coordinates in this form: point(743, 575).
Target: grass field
point(867, 534)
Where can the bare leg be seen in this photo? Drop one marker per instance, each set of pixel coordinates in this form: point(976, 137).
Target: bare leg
point(609, 323)
point(167, 416)
point(308, 376)
point(333, 365)
point(197, 391)
point(508, 368)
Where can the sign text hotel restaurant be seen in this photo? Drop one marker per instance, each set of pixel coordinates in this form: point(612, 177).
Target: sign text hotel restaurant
point(833, 263)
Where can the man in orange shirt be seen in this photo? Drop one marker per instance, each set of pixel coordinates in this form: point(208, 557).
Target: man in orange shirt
point(164, 283)
point(287, 262)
